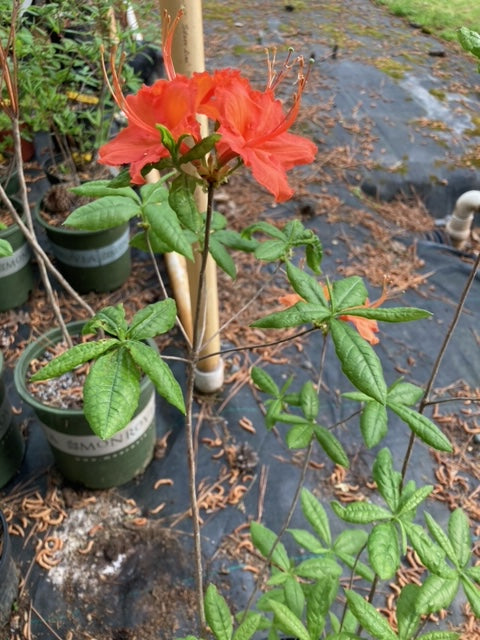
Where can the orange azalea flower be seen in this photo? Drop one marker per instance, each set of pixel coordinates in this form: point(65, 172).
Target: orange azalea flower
point(366, 327)
point(171, 103)
point(254, 127)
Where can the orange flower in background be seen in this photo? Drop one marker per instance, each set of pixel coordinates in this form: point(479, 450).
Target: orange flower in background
point(366, 327)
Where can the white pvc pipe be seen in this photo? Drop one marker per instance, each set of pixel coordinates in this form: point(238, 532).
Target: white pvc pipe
point(133, 23)
point(460, 222)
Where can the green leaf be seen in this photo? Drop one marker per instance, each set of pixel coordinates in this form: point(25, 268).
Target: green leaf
point(264, 539)
point(358, 568)
point(307, 287)
point(153, 320)
point(288, 621)
point(248, 627)
point(5, 248)
point(361, 512)
point(422, 427)
point(104, 188)
point(267, 229)
point(314, 255)
point(369, 617)
point(271, 250)
point(473, 594)
point(168, 140)
point(347, 293)
point(264, 381)
point(442, 539)
point(294, 598)
point(436, 593)
point(74, 357)
point(357, 396)
point(234, 240)
point(151, 363)
point(359, 361)
point(309, 401)
point(332, 446)
point(295, 316)
point(299, 436)
point(470, 40)
point(221, 256)
point(105, 213)
point(373, 423)
point(388, 480)
point(393, 314)
point(218, 614)
point(318, 568)
point(112, 320)
point(200, 150)
point(384, 550)
point(306, 540)
point(407, 618)
point(154, 192)
point(474, 573)
point(459, 534)
point(139, 241)
point(404, 393)
point(111, 393)
point(316, 515)
point(350, 541)
point(182, 200)
point(417, 497)
point(430, 554)
point(274, 409)
point(319, 600)
point(165, 225)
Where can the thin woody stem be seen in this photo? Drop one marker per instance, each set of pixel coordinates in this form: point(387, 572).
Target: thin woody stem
point(436, 366)
point(191, 368)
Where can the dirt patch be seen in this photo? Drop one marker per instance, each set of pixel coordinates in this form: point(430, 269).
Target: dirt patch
point(108, 558)
point(58, 202)
point(119, 574)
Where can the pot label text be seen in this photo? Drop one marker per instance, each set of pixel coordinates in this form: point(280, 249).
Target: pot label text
point(11, 264)
point(94, 447)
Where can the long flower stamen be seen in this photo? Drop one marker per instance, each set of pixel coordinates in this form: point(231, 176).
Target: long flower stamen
point(275, 79)
point(292, 113)
point(168, 31)
point(115, 88)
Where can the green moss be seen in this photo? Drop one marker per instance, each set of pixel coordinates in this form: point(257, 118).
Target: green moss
point(368, 32)
point(475, 130)
point(439, 94)
point(242, 50)
point(393, 68)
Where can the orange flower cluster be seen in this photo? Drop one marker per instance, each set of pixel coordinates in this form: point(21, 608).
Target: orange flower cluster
point(252, 124)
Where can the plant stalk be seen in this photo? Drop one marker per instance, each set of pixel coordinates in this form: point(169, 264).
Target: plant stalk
point(436, 365)
point(198, 325)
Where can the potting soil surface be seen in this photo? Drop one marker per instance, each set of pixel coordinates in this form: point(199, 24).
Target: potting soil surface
point(394, 113)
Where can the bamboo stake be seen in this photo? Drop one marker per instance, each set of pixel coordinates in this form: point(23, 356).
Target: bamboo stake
point(188, 57)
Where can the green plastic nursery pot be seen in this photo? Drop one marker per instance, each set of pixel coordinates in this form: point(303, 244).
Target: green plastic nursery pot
point(16, 273)
point(8, 574)
point(79, 454)
point(90, 260)
point(12, 444)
